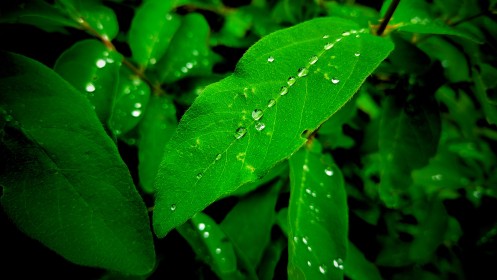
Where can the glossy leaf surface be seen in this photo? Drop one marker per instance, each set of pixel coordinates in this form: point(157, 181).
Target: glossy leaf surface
point(283, 88)
point(63, 180)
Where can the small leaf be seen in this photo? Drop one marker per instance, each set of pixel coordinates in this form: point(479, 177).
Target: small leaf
point(64, 183)
point(188, 53)
point(318, 216)
point(92, 69)
point(131, 101)
point(272, 256)
point(218, 145)
point(210, 244)
point(152, 28)
point(358, 267)
point(156, 128)
point(93, 14)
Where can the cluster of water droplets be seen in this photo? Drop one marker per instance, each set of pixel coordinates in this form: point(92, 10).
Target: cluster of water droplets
point(100, 63)
point(323, 267)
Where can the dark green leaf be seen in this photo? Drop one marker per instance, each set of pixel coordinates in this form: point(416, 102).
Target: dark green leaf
point(409, 135)
point(488, 101)
point(283, 88)
point(64, 183)
point(318, 217)
point(363, 15)
point(155, 130)
point(358, 267)
point(152, 28)
point(270, 260)
point(94, 70)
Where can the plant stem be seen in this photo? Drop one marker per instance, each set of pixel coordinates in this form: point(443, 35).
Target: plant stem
point(387, 17)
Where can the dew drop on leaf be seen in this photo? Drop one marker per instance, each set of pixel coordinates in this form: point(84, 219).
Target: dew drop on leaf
point(271, 103)
point(326, 36)
point(328, 171)
point(199, 175)
point(90, 87)
point(309, 264)
point(270, 59)
point(173, 207)
point(345, 33)
point(283, 90)
point(313, 59)
point(335, 80)
point(303, 72)
point(136, 113)
point(218, 156)
point(240, 132)
point(322, 269)
point(304, 240)
point(205, 234)
point(260, 126)
point(338, 263)
point(291, 81)
point(201, 226)
point(257, 114)
point(218, 251)
point(101, 63)
point(328, 46)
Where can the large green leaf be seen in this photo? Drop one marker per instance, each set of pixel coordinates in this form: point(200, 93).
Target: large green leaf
point(152, 29)
point(63, 181)
point(283, 88)
point(318, 217)
point(94, 70)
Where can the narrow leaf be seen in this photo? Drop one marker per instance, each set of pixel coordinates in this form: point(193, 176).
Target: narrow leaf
point(64, 183)
point(318, 217)
point(358, 267)
point(283, 88)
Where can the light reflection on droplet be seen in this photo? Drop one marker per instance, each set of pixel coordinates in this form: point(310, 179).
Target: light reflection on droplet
point(101, 63)
point(201, 226)
point(90, 87)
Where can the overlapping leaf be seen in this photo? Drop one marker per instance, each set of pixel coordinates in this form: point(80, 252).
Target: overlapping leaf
point(283, 88)
point(63, 180)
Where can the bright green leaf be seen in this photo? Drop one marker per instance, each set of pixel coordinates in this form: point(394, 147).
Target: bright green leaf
point(188, 53)
point(152, 29)
point(156, 128)
point(131, 101)
point(94, 70)
point(64, 183)
point(283, 88)
point(318, 217)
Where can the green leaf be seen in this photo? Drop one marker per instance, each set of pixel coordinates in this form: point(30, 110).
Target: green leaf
point(218, 145)
point(188, 53)
point(211, 244)
point(414, 16)
point(485, 94)
point(358, 267)
point(40, 14)
point(92, 69)
point(249, 227)
point(63, 181)
point(93, 16)
point(131, 101)
point(409, 135)
point(152, 29)
point(272, 256)
point(156, 128)
point(318, 217)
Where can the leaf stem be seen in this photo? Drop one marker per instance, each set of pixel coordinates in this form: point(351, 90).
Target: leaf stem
point(387, 17)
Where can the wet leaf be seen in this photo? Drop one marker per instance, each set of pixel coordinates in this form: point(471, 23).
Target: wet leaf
point(283, 88)
point(63, 180)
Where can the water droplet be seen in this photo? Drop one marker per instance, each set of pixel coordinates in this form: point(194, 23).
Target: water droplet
point(328, 171)
point(199, 175)
point(136, 113)
point(326, 36)
point(338, 263)
point(271, 103)
point(304, 240)
point(335, 80)
point(313, 59)
point(338, 40)
point(195, 52)
point(283, 90)
point(101, 63)
point(437, 177)
point(169, 16)
point(357, 36)
point(309, 248)
point(90, 88)
point(201, 226)
point(322, 269)
point(218, 251)
point(357, 54)
point(270, 59)
point(137, 105)
point(303, 72)
point(291, 81)
point(328, 195)
point(313, 194)
point(308, 191)
point(153, 60)
point(173, 207)
point(218, 156)
point(328, 46)
point(309, 264)
point(184, 69)
point(257, 114)
point(305, 167)
point(189, 65)
point(205, 234)
point(240, 132)
point(345, 33)
point(260, 126)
